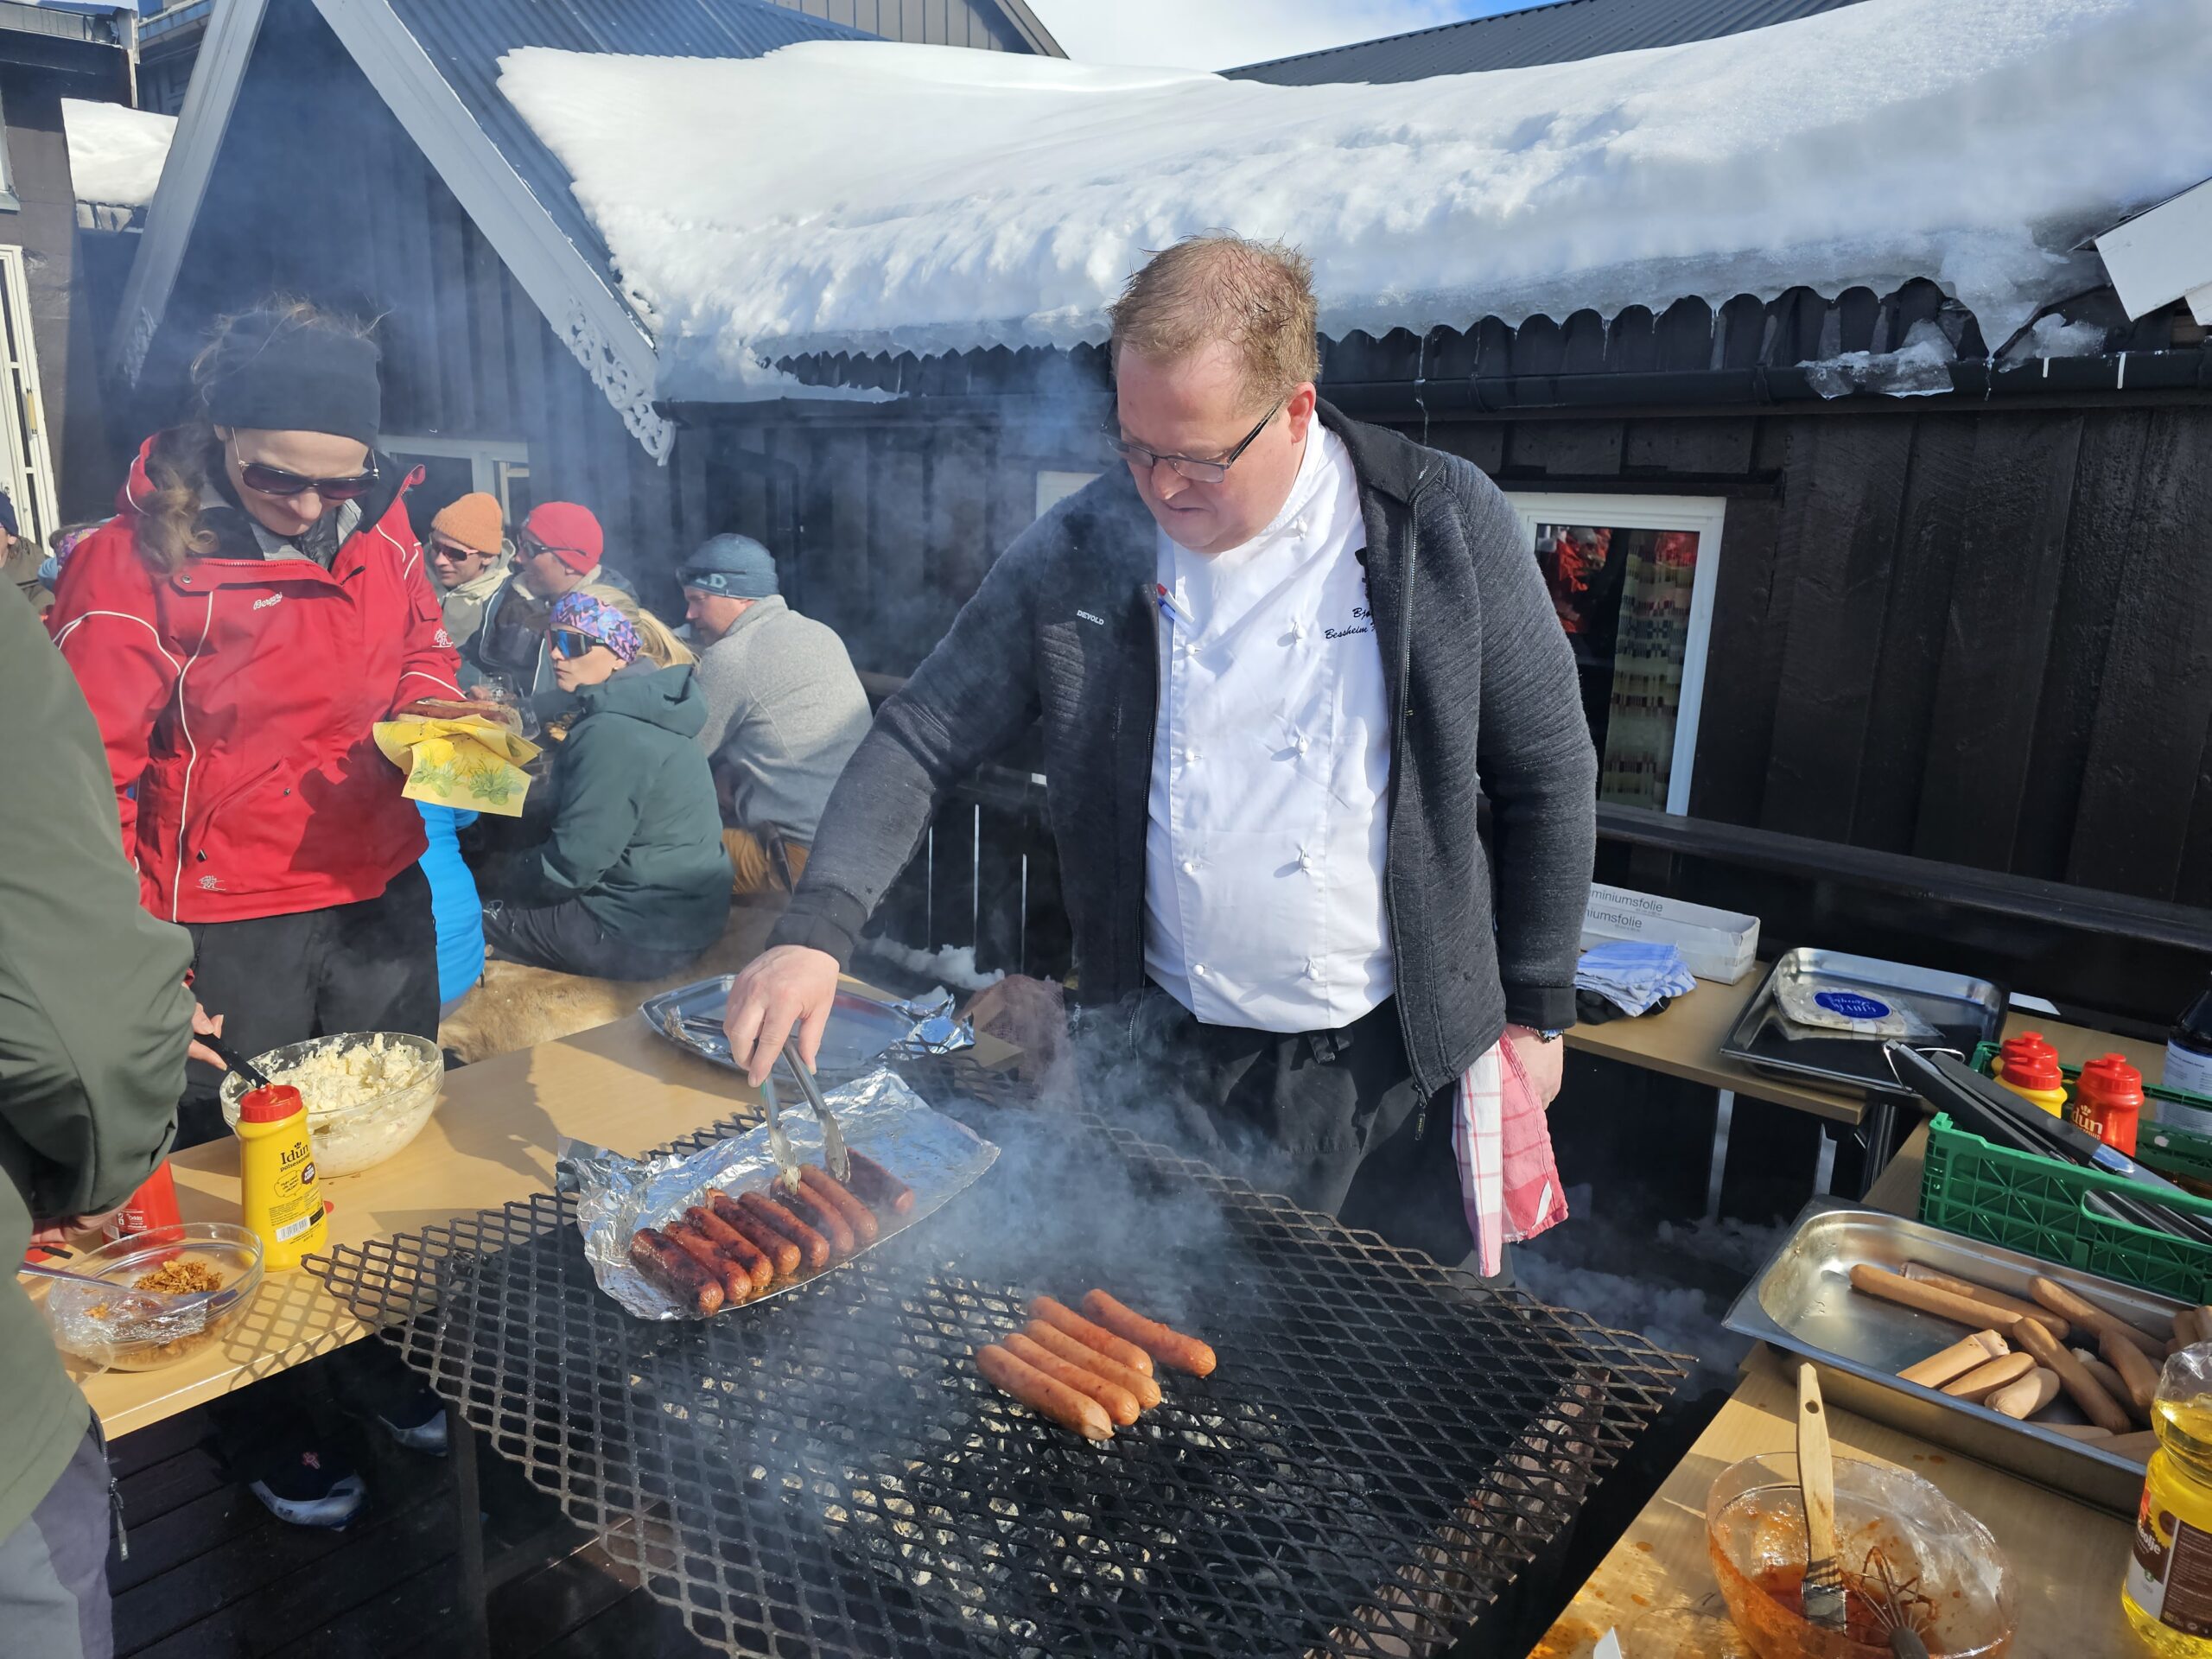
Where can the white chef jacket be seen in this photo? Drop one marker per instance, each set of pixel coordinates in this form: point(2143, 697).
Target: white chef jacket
point(1270, 770)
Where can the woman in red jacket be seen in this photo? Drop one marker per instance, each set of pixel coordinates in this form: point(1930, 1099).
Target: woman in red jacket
point(256, 605)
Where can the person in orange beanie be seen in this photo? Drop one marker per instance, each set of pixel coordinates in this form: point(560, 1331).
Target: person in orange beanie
point(468, 550)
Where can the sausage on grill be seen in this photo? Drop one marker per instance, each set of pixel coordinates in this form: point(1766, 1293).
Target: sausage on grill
point(737, 1283)
point(1054, 1400)
point(1091, 1336)
point(813, 1249)
point(734, 1245)
point(877, 1186)
point(823, 1216)
point(1121, 1405)
point(1169, 1347)
point(656, 1256)
point(782, 1253)
point(858, 1216)
point(1056, 1341)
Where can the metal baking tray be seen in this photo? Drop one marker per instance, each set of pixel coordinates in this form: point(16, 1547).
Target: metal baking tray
point(862, 1030)
point(1801, 1301)
point(1967, 1012)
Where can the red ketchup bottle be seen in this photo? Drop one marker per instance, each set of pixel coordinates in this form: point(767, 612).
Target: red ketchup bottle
point(2108, 1102)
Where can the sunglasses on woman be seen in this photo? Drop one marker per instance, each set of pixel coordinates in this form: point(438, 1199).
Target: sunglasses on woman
point(571, 644)
point(265, 480)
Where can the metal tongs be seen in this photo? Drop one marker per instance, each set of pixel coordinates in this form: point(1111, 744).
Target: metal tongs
point(833, 1141)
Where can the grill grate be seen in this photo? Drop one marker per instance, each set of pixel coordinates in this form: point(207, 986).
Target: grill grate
point(1383, 1446)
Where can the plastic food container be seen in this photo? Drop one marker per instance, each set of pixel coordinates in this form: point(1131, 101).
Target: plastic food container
point(131, 1329)
point(1755, 1531)
point(368, 1094)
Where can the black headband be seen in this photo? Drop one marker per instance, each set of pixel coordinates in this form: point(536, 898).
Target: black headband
point(281, 376)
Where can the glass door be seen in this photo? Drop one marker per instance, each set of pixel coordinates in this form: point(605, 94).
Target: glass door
point(1631, 579)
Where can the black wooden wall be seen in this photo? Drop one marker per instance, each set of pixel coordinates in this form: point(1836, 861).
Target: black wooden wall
point(319, 192)
point(1980, 633)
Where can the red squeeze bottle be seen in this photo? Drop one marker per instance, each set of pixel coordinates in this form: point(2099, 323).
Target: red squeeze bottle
point(152, 1205)
point(2108, 1102)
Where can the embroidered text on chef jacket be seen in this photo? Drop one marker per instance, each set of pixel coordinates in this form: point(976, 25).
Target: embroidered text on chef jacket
point(1270, 766)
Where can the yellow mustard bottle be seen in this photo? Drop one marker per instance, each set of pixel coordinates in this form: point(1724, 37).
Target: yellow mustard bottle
point(2167, 1594)
point(277, 1186)
point(2028, 1065)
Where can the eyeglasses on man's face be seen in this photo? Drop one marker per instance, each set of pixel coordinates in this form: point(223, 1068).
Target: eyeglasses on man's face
point(1199, 469)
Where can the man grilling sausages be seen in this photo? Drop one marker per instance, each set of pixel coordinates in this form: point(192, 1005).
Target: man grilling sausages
point(1276, 653)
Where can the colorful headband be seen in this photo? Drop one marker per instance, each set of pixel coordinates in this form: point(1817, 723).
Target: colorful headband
point(597, 619)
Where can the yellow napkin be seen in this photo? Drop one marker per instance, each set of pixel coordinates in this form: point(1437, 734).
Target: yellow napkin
point(473, 764)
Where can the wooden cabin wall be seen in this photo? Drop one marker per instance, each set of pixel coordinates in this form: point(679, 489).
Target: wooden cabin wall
point(1981, 635)
point(320, 192)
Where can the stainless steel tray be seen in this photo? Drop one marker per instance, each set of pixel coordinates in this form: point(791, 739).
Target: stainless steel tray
point(1967, 1012)
point(862, 1031)
point(1801, 1301)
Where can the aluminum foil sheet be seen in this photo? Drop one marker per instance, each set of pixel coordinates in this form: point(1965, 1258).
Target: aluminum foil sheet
point(879, 1115)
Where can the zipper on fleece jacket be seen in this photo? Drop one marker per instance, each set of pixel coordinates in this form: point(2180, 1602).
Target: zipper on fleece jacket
point(1401, 711)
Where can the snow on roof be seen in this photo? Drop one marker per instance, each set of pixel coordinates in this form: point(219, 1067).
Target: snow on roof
point(116, 153)
point(861, 196)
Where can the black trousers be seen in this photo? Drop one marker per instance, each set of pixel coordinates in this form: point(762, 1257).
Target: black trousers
point(567, 938)
point(1330, 1120)
point(371, 966)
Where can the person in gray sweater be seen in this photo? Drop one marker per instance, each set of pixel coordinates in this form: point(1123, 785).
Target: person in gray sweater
point(1276, 654)
point(784, 710)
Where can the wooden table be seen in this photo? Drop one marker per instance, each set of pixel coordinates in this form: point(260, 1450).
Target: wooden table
point(491, 1140)
point(1685, 1042)
point(1655, 1585)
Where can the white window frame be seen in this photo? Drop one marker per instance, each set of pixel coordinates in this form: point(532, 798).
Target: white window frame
point(488, 458)
point(1054, 488)
point(1705, 515)
point(26, 459)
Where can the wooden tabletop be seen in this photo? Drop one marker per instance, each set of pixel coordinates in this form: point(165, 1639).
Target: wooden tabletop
point(1657, 1588)
point(1685, 1042)
point(491, 1140)
point(1655, 1585)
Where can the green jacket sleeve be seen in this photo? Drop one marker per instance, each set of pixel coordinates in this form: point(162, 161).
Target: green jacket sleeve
point(94, 1015)
point(598, 810)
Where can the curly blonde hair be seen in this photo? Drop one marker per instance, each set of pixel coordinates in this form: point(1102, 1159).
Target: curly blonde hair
point(1257, 297)
point(185, 457)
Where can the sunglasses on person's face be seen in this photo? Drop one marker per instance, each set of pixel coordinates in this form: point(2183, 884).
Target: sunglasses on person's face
point(571, 644)
point(264, 479)
point(454, 553)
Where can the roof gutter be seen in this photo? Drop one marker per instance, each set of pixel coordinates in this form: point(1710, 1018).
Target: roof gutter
point(1975, 380)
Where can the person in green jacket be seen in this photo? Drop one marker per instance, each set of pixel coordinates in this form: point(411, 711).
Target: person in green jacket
point(634, 881)
point(95, 1023)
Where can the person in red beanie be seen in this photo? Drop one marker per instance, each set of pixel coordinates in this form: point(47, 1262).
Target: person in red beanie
point(556, 552)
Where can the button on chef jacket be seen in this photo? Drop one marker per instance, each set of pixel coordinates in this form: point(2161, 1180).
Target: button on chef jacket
point(1270, 767)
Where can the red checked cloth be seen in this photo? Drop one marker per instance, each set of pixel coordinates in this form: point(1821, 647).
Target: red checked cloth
point(1508, 1178)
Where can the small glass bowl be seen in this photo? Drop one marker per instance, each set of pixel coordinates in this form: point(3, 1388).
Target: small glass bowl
point(132, 1330)
point(366, 1130)
point(1755, 1532)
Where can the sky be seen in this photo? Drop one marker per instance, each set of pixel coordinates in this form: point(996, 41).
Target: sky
point(1223, 34)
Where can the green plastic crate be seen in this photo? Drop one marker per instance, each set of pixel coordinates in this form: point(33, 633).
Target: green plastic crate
point(2036, 1205)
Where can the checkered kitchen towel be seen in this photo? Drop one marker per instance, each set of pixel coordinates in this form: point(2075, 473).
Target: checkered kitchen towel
point(1509, 1181)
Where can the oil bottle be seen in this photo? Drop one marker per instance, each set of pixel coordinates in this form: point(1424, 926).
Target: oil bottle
point(2167, 1594)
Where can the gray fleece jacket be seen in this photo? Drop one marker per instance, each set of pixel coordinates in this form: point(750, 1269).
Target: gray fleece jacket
point(1484, 696)
point(785, 712)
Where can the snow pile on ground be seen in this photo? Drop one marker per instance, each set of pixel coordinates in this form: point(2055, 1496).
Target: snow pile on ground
point(948, 964)
point(1672, 1285)
point(840, 195)
point(116, 154)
